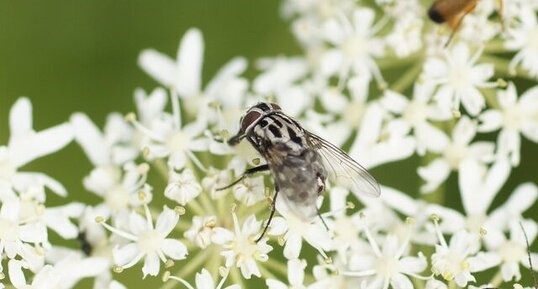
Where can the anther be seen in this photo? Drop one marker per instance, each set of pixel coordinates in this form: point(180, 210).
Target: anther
point(179, 210)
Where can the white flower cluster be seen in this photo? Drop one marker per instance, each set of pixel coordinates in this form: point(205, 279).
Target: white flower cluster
point(348, 87)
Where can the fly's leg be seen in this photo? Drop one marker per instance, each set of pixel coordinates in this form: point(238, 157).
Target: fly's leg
point(248, 172)
point(322, 220)
point(321, 187)
point(457, 24)
point(273, 209)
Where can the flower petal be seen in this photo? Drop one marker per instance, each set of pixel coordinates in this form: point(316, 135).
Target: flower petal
point(189, 64)
point(174, 249)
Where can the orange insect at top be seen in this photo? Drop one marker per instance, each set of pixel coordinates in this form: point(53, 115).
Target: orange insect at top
point(452, 12)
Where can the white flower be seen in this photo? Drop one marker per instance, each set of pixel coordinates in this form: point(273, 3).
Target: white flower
point(205, 281)
point(250, 190)
point(406, 36)
point(459, 259)
point(355, 46)
point(416, 113)
point(295, 230)
point(182, 187)
point(120, 188)
point(295, 276)
point(150, 106)
point(215, 179)
point(515, 117)
point(524, 40)
point(460, 79)
point(279, 78)
point(112, 147)
point(25, 145)
point(166, 137)
point(513, 251)
point(240, 248)
point(149, 241)
point(184, 76)
point(386, 265)
point(63, 275)
point(379, 141)
point(18, 236)
point(453, 152)
point(202, 230)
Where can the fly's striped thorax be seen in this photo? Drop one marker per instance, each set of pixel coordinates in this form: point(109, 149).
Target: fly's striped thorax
point(278, 128)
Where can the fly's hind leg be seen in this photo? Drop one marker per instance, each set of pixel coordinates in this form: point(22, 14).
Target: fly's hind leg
point(273, 209)
point(321, 188)
point(248, 172)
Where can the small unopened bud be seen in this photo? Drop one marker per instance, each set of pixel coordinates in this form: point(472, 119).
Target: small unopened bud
point(225, 134)
point(350, 205)
point(517, 286)
point(256, 161)
point(143, 168)
point(483, 232)
point(169, 263)
point(328, 260)
point(382, 85)
point(223, 271)
point(434, 217)
point(130, 117)
point(179, 210)
point(99, 219)
point(456, 113)
point(117, 269)
point(410, 221)
point(145, 152)
point(141, 196)
point(501, 83)
point(166, 276)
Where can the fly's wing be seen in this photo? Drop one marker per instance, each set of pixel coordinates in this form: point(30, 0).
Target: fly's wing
point(296, 177)
point(343, 170)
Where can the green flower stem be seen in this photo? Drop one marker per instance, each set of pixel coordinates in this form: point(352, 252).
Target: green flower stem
point(277, 266)
point(419, 284)
point(267, 273)
point(491, 99)
point(497, 279)
point(495, 46)
point(408, 78)
point(237, 278)
point(391, 63)
point(195, 207)
point(162, 168)
point(207, 203)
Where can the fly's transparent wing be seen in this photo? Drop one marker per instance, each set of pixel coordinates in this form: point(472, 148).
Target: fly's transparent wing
point(342, 169)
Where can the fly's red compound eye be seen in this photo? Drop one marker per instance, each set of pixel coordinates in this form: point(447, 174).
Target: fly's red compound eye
point(249, 118)
point(275, 106)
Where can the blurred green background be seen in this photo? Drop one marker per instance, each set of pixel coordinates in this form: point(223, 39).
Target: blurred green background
point(80, 55)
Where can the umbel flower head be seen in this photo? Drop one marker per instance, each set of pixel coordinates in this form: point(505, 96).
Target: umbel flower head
point(446, 130)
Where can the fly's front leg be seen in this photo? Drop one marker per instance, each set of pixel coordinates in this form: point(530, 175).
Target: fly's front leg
point(248, 172)
point(273, 209)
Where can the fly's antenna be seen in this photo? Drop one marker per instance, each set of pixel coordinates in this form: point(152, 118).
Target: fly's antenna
point(529, 255)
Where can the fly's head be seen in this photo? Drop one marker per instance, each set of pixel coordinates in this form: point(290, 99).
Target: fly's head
point(251, 118)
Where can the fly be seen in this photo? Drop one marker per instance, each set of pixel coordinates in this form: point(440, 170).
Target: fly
point(299, 161)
